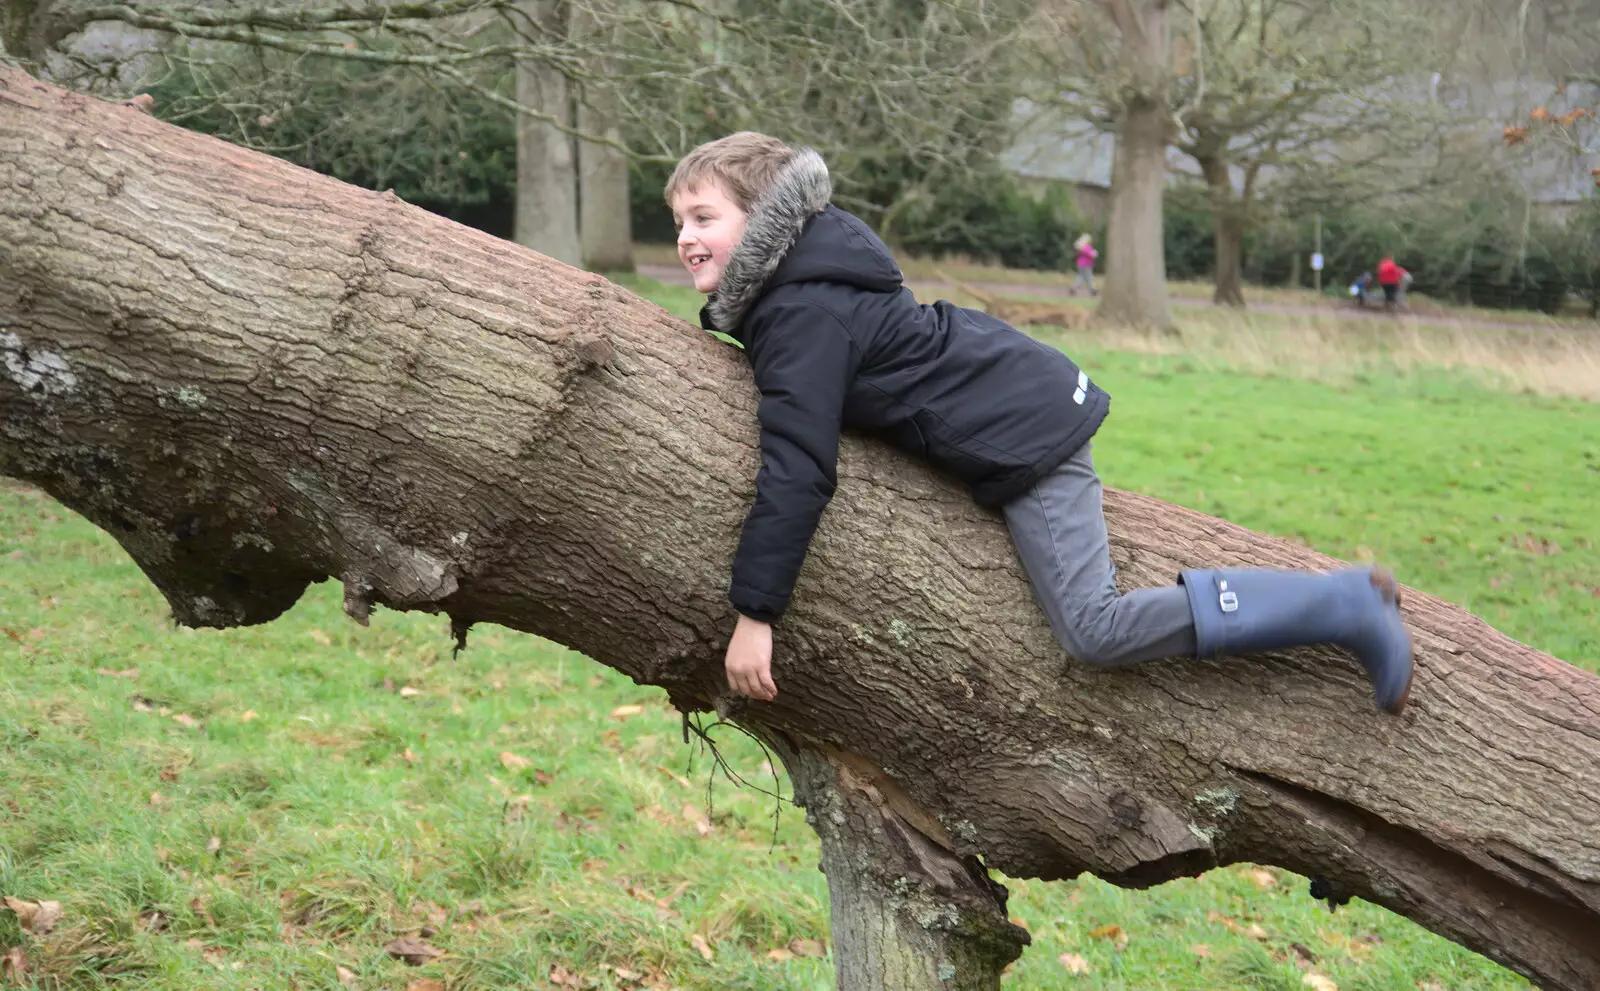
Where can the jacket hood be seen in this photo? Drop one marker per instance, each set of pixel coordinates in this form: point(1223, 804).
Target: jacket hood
point(793, 235)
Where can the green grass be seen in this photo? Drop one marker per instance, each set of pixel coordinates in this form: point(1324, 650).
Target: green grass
point(350, 813)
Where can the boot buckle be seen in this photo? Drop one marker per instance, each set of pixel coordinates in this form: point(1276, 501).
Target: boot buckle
point(1228, 600)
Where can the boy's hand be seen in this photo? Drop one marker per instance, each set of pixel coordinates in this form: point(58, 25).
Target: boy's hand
point(749, 660)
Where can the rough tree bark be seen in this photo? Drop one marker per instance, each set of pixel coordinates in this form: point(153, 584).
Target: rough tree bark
point(1136, 266)
point(255, 377)
point(547, 166)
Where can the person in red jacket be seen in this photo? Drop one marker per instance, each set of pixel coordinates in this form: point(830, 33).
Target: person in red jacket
point(1391, 277)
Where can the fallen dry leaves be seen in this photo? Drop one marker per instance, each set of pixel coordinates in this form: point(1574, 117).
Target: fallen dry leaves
point(1316, 982)
point(514, 762)
point(1111, 934)
point(346, 976)
point(435, 913)
point(197, 905)
point(38, 918)
point(808, 947)
point(674, 775)
point(14, 967)
point(413, 951)
point(1252, 930)
point(627, 711)
point(1073, 963)
point(426, 984)
point(1356, 949)
point(692, 813)
point(702, 947)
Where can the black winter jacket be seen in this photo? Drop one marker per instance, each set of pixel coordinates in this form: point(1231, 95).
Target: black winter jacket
point(836, 340)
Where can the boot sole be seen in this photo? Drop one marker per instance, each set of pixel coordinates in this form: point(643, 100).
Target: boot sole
point(1383, 581)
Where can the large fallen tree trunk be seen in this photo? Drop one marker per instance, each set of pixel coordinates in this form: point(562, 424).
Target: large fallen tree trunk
point(255, 377)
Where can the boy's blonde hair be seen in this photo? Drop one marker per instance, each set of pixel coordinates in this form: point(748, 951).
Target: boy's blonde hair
point(745, 164)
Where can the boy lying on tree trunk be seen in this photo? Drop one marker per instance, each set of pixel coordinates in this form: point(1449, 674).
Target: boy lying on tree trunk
point(836, 340)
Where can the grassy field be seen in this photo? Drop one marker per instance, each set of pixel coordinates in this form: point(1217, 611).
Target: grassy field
point(1186, 293)
point(270, 808)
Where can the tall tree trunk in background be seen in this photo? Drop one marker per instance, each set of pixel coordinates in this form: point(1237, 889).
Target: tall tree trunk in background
point(547, 173)
point(605, 215)
point(1228, 237)
point(257, 385)
point(13, 29)
point(22, 28)
point(1136, 266)
point(1227, 228)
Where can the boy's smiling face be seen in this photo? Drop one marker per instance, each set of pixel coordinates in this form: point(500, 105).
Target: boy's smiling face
point(710, 225)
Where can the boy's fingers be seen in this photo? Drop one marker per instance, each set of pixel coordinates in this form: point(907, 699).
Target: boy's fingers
point(769, 689)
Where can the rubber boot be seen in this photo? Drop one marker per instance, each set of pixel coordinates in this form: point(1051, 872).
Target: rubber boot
point(1244, 610)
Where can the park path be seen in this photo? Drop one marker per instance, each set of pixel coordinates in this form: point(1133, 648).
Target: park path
point(675, 275)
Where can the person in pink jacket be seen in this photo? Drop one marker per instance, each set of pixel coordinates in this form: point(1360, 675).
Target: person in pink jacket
point(1086, 256)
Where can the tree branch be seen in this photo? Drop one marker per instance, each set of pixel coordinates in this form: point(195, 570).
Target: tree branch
point(467, 426)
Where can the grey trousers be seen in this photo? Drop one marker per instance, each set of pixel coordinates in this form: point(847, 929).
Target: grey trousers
point(1059, 528)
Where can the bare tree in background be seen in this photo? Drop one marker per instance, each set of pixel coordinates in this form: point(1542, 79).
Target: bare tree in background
point(918, 84)
point(1324, 96)
point(1110, 64)
point(547, 158)
point(1323, 99)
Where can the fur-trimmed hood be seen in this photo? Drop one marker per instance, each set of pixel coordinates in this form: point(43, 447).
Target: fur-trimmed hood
point(764, 257)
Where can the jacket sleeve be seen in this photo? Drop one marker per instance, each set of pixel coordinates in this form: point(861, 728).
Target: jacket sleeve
point(804, 361)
